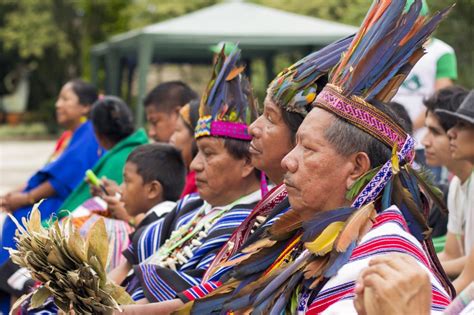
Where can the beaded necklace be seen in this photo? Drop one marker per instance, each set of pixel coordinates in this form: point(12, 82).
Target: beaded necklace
point(179, 248)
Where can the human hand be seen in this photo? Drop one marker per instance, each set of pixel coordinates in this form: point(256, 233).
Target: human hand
point(117, 208)
point(14, 200)
point(94, 190)
point(112, 187)
point(393, 284)
point(3, 204)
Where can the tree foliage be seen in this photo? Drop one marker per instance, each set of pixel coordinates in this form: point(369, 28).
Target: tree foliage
point(56, 35)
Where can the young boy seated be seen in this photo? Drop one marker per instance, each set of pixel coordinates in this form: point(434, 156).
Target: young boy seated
point(162, 106)
point(154, 176)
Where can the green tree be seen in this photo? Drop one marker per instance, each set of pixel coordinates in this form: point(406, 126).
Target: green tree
point(56, 36)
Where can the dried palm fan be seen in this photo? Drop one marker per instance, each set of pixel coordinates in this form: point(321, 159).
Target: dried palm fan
point(71, 269)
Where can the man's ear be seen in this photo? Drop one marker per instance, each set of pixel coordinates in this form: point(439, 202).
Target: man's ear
point(154, 190)
point(360, 165)
point(247, 167)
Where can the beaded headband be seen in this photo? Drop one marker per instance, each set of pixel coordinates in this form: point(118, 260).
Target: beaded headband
point(207, 127)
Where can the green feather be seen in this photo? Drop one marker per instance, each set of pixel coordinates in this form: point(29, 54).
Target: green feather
point(425, 179)
point(360, 183)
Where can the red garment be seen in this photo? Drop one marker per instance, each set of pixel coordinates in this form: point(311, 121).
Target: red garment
point(61, 145)
point(190, 185)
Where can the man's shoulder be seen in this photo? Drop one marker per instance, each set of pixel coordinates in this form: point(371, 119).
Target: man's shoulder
point(390, 233)
point(189, 201)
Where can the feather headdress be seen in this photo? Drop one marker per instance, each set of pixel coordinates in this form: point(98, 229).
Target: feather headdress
point(381, 54)
point(295, 88)
point(227, 106)
point(387, 46)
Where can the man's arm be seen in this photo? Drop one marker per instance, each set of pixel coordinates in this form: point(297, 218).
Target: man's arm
point(452, 258)
point(119, 273)
point(442, 83)
point(452, 249)
point(454, 267)
point(467, 274)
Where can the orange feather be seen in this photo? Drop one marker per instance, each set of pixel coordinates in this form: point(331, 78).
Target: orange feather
point(315, 268)
point(287, 223)
point(356, 226)
point(235, 72)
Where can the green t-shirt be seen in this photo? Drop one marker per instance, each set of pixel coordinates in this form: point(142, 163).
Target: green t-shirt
point(446, 66)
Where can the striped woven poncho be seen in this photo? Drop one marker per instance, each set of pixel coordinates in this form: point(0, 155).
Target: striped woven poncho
point(158, 283)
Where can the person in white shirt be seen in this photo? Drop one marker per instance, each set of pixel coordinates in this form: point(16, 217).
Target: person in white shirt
point(436, 142)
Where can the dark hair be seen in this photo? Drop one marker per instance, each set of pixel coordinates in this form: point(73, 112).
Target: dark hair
point(449, 98)
point(348, 139)
point(161, 162)
point(86, 92)
point(112, 118)
point(402, 115)
point(293, 121)
point(169, 95)
point(238, 149)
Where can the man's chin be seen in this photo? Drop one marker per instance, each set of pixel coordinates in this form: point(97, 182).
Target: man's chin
point(295, 202)
point(258, 162)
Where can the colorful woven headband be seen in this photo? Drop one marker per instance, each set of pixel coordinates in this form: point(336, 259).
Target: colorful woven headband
point(207, 127)
point(227, 105)
point(363, 115)
point(375, 186)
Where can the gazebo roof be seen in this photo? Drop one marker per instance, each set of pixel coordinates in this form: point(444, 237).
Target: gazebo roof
point(257, 28)
point(261, 32)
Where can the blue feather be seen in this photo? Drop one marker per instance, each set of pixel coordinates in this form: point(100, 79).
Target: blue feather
point(387, 195)
point(209, 305)
point(315, 226)
point(413, 225)
point(282, 277)
point(341, 260)
point(279, 306)
point(409, 181)
point(257, 263)
point(237, 303)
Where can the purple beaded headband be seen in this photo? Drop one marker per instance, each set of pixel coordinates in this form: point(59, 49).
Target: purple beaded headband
point(227, 129)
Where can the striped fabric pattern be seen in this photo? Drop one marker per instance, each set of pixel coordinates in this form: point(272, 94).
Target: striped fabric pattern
point(202, 289)
point(156, 234)
point(161, 284)
point(388, 235)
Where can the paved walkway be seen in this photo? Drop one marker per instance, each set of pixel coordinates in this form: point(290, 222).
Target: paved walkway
point(19, 160)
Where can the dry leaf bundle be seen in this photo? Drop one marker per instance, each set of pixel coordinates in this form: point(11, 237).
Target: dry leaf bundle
point(71, 269)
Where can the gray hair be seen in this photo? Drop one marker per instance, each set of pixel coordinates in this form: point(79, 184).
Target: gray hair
point(348, 139)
